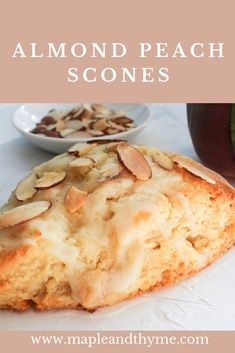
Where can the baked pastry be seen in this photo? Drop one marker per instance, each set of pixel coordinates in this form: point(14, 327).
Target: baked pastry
point(109, 221)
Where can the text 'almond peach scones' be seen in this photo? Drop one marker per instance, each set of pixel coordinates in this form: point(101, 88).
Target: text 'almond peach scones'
point(109, 221)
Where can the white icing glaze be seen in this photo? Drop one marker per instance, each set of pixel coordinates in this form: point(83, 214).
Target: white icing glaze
point(128, 269)
point(55, 230)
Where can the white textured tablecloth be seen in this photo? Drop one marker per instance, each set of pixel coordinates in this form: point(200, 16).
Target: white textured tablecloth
point(206, 301)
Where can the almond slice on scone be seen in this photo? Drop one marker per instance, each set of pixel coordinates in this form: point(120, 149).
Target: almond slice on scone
point(80, 148)
point(24, 213)
point(110, 170)
point(134, 161)
point(25, 189)
point(198, 170)
point(201, 171)
point(49, 180)
point(74, 199)
point(82, 162)
point(164, 161)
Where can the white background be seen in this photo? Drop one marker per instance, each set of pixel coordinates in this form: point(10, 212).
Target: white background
point(206, 301)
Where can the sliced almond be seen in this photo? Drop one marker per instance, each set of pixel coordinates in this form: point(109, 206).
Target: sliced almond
point(123, 120)
point(131, 125)
point(88, 107)
point(60, 125)
point(39, 129)
point(101, 109)
point(77, 112)
point(82, 162)
point(95, 132)
point(67, 117)
point(75, 109)
point(66, 132)
point(74, 199)
point(49, 180)
point(112, 147)
point(202, 172)
point(25, 189)
point(79, 134)
point(105, 141)
point(48, 120)
point(51, 127)
point(134, 161)
point(118, 114)
point(101, 116)
point(22, 214)
point(164, 161)
point(74, 124)
point(51, 133)
point(112, 131)
point(97, 156)
point(86, 114)
point(109, 171)
point(100, 124)
point(86, 123)
point(116, 126)
point(56, 114)
point(195, 168)
point(80, 148)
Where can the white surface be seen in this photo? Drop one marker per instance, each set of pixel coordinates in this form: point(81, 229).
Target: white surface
point(206, 301)
point(26, 117)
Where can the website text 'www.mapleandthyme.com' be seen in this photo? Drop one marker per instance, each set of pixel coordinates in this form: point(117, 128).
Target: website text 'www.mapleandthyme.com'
point(130, 338)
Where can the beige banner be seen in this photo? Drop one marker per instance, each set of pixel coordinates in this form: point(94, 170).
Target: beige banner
point(104, 342)
point(130, 22)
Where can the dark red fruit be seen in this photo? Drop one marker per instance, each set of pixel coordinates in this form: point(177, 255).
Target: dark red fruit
point(210, 126)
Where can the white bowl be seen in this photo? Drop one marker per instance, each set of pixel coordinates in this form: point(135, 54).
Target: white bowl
point(26, 117)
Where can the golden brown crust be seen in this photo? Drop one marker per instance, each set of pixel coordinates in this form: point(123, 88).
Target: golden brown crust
point(128, 237)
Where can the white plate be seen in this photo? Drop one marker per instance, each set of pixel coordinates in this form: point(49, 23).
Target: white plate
point(26, 117)
point(204, 302)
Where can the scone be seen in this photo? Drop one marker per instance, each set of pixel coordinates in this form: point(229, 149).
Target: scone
point(109, 221)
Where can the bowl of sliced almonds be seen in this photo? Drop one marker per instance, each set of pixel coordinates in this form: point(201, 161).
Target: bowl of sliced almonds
point(56, 127)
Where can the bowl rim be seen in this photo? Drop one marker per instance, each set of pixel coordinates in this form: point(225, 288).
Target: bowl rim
point(79, 139)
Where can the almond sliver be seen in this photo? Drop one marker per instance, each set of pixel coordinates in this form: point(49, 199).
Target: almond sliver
point(74, 199)
point(66, 132)
point(79, 134)
point(22, 214)
point(134, 161)
point(81, 148)
point(195, 168)
point(164, 161)
point(109, 171)
point(101, 109)
point(49, 180)
point(81, 162)
point(25, 189)
point(203, 172)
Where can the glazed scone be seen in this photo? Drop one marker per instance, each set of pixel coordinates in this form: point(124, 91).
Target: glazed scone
point(103, 223)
